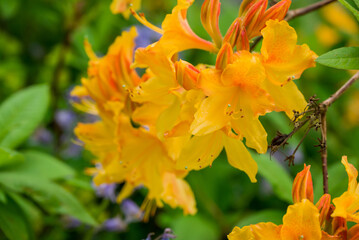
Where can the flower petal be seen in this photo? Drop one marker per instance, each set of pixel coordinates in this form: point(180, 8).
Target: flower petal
point(301, 222)
point(282, 58)
point(239, 157)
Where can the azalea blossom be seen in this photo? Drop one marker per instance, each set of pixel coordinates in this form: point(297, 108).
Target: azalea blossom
point(304, 220)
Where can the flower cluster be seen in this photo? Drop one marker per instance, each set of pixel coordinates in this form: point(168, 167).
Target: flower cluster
point(178, 117)
point(304, 220)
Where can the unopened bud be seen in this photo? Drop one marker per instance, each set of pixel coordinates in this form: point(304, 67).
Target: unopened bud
point(233, 33)
point(303, 186)
point(187, 74)
point(224, 56)
point(210, 18)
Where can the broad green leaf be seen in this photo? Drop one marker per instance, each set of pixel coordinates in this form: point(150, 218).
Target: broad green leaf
point(341, 58)
point(49, 195)
point(10, 157)
point(30, 210)
point(43, 165)
point(13, 222)
point(21, 113)
point(2, 196)
point(336, 188)
point(276, 175)
point(268, 215)
point(204, 229)
point(354, 8)
point(356, 3)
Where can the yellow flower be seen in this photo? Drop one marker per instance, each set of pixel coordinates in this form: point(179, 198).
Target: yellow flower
point(347, 205)
point(283, 62)
point(300, 222)
point(304, 220)
point(109, 77)
point(122, 6)
point(126, 152)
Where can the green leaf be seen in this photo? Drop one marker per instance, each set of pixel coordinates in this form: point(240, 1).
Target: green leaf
point(30, 210)
point(276, 175)
point(349, 4)
point(49, 195)
point(357, 3)
point(10, 157)
point(341, 58)
point(13, 222)
point(21, 113)
point(204, 229)
point(268, 215)
point(43, 165)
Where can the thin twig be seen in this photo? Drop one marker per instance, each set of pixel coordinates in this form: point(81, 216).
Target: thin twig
point(302, 11)
point(323, 121)
point(296, 13)
point(338, 93)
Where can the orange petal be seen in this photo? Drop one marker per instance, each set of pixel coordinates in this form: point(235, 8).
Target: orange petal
point(301, 222)
point(282, 58)
point(239, 157)
point(178, 35)
point(260, 231)
point(195, 156)
point(303, 186)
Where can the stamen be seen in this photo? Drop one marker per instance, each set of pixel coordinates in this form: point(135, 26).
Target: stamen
point(141, 18)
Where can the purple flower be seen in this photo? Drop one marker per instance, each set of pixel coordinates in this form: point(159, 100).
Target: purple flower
point(145, 37)
point(106, 191)
point(131, 211)
point(115, 224)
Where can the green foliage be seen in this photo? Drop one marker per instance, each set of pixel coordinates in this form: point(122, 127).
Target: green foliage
point(352, 5)
point(13, 221)
point(43, 165)
point(268, 215)
point(341, 58)
point(276, 175)
point(51, 196)
point(9, 157)
point(21, 114)
point(30, 172)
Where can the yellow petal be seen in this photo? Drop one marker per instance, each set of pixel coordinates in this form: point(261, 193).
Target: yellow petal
point(177, 193)
point(282, 58)
point(251, 128)
point(260, 231)
point(178, 35)
point(122, 6)
point(286, 98)
point(195, 156)
point(239, 157)
point(301, 222)
point(352, 175)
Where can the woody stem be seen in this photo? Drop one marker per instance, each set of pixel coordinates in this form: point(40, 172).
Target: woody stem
point(323, 112)
point(302, 11)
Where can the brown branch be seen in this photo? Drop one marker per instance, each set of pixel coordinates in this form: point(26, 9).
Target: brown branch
point(323, 121)
point(338, 93)
point(302, 11)
point(323, 146)
point(296, 13)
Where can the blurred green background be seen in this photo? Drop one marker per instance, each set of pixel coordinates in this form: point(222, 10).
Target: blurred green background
point(41, 42)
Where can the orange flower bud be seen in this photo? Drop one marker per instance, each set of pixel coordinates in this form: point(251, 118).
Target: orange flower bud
point(339, 227)
point(233, 33)
point(276, 12)
point(303, 185)
point(243, 41)
point(253, 17)
point(224, 56)
point(187, 74)
point(325, 210)
point(210, 18)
